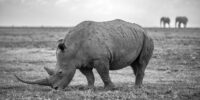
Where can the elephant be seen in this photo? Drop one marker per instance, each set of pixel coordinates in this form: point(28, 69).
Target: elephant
point(164, 21)
point(181, 20)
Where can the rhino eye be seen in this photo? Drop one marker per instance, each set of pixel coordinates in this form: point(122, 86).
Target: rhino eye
point(60, 72)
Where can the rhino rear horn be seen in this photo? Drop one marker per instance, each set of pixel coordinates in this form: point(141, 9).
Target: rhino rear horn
point(44, 82)
point(49, 71)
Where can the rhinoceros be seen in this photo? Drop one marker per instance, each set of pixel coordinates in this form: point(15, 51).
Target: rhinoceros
point(109, 45)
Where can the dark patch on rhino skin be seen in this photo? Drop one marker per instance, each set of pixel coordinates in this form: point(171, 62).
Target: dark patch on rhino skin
point(105, 46)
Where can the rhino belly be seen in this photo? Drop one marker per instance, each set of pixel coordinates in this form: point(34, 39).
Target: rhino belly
point(121, 60)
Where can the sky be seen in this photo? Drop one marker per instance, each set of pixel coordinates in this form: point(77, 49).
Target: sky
point(146, 13)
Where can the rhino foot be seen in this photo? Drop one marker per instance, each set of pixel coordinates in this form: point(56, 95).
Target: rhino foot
point(110, 87)
point(89, 87)
point(138, 86)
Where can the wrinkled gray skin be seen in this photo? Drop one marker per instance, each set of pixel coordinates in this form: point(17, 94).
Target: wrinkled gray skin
point(164, 21)
point(105, 46)
point(181, 20)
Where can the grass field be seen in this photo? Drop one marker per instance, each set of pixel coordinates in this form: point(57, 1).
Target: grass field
point(173, 72)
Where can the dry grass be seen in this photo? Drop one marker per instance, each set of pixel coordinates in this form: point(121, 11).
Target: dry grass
point(173, 72)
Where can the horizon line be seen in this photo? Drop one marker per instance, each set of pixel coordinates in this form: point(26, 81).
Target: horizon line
point(48, 26)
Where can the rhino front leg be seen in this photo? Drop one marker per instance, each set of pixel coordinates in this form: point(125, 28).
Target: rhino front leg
point(89, 75)
point(102, 68)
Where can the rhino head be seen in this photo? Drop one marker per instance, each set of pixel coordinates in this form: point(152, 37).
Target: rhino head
point(60, 77)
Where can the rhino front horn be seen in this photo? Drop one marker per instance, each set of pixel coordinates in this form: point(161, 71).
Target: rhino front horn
point(44, 82)
point(49, 71)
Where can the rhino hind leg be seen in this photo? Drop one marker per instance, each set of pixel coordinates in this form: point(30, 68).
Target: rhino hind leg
point(139, 72)
point(102, 68)
point(140, 64)
point(89, 75)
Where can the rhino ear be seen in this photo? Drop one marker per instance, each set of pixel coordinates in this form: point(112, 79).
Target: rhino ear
point(61, 45)
point(60, 41)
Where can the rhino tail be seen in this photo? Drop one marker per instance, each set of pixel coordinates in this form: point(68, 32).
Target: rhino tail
point(147, 50)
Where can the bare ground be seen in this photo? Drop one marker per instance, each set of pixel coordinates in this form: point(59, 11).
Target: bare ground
point(172, 74)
